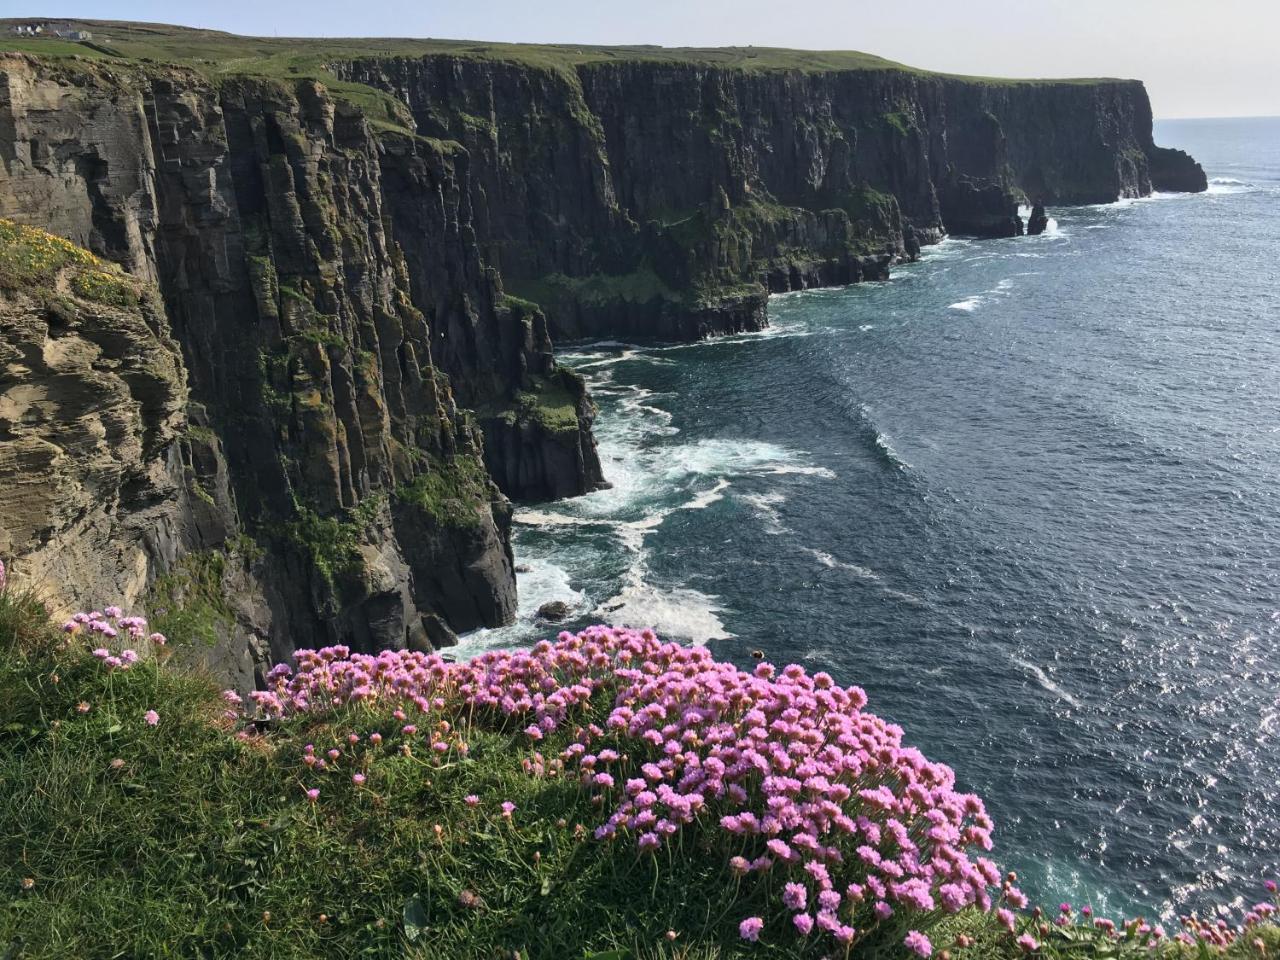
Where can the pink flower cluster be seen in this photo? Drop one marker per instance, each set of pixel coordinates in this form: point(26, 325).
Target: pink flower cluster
point(110, 624)
point(1209, 936)
point(784, 770)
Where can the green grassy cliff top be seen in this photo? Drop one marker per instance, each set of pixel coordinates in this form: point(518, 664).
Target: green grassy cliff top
point(299, 56)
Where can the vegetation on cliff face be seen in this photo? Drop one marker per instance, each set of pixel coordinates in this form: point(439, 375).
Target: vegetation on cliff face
point(603, 795)
point(44, 266)
point(449, 491)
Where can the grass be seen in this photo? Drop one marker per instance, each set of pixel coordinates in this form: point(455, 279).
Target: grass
point(189, 603)
point(331, 543)
point(308, 56)
point(120, 839)
point(35, 262)
point(642, 285)
point(549, 404)
point(450, 490)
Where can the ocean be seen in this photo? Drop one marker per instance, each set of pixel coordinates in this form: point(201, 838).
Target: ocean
point(1026, 493)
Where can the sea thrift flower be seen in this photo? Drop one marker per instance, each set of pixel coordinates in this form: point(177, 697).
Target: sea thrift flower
point(788, 767)
point(357, 778)
point(151, 717)
point(313, 794)
point(803, 923)
point(508, 808)
point(794, 896)
point(749, 929)
point(918, 943)
point(471, 800)
point(1028, 943)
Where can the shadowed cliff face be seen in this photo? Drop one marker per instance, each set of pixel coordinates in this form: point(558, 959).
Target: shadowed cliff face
point(364, 309)
point(664, 199)
point(306, 298)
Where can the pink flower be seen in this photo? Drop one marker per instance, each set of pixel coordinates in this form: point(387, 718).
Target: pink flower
point(4, 578)
point(151, 717)
point(918, 943)
point(1028, 943)
point(803, 922)
point(795, 896)
point(313, 794)
point(508, 808)
point(357, 778)
point(749, 929)
point(471, 800)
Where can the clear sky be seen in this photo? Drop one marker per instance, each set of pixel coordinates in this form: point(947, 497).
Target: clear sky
point(1199, 58)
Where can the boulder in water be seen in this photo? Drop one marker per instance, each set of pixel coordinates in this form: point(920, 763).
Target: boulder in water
point(1038, 222)
point(554, 611)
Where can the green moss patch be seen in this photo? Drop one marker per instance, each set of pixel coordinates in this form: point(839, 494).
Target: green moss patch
point(189, 603)
point(449, 490)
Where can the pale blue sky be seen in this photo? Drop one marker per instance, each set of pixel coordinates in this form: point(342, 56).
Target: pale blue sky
point(1198, 57)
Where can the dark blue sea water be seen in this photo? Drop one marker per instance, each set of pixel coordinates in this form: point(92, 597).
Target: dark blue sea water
point(1027, 494)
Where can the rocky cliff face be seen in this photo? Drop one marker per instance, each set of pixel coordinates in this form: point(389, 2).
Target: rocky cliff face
point(332, 364)
point(305, 300)
point(641, 198)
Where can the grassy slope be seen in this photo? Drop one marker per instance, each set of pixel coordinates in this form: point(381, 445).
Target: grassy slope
point(228, 53)
point(123, 839)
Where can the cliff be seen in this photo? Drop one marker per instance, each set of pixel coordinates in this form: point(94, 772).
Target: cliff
point(351, 259)
point(667, 198)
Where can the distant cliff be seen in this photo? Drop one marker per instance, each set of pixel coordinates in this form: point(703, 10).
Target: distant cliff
point(351, 268)
point(637, 198)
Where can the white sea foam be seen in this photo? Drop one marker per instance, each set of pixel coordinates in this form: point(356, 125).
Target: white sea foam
point(671, 611)
point(652, 478)
point(859, 571)
point(765, 506)
point(540, 582)
point(968, 305)
point(1227, 185)
point(885, 446)
point(1047, 682)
